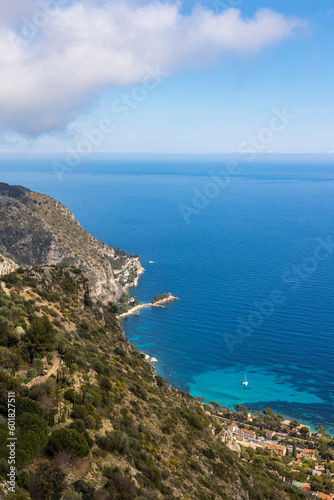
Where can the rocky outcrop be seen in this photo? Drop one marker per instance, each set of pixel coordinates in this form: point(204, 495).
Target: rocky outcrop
point(7, 265)
point(38, 230)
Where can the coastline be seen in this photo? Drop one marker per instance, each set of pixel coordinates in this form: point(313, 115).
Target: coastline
point(141, 271)
point(136, 309)
point(153, 360)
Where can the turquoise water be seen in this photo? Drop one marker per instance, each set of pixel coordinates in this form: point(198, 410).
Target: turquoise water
point(253, 241)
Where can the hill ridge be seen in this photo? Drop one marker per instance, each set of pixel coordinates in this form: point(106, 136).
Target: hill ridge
point(36, 229)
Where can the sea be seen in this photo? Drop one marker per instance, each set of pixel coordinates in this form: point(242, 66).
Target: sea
point(248, 250)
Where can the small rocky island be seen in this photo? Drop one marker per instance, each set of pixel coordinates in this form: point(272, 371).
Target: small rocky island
point(128, 305)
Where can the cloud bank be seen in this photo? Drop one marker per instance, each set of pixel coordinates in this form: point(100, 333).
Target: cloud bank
point(57, 57)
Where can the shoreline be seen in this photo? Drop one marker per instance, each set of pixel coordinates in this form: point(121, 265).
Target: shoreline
point(136, 309)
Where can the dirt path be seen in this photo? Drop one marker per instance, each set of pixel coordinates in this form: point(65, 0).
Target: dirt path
point(55, 366)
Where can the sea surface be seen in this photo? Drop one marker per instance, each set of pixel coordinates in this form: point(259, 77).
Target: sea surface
point(251, 263)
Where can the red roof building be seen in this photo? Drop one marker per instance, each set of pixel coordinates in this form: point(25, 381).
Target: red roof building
point(309, 453)
point(280, 450)
point(269, 434)
point(249, 433)
point(324, 496)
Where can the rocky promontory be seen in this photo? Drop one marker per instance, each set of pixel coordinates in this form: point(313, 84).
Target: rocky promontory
point(38, 230)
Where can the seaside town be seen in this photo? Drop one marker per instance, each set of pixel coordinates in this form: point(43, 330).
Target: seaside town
point(289, 449)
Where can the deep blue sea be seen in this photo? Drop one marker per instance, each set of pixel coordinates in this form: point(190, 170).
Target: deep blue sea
point(252, 264)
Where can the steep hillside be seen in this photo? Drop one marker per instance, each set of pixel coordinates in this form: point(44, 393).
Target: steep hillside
point(38, 230)
point(99, 424)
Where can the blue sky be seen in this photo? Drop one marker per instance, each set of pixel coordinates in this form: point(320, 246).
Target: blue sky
point(205, 104)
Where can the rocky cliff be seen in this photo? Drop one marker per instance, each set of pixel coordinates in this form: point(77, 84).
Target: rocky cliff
point(7, 265)
point(38, 230)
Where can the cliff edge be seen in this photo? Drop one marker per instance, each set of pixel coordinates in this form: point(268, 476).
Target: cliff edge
point(38, 230)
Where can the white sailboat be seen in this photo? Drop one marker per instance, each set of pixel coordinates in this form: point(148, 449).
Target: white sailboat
point(245, 382)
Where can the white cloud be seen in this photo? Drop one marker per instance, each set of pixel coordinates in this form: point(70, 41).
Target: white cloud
point(16, 10)
point(53, 65)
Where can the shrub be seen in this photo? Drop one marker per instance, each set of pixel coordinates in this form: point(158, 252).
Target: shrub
point(69, 440)
point(4, 467)
point(121, 486)
point(38, 365)
point(120, 352)
point(139, 391)
point(71, 494)
point(48, 480)
point(194, 421)
point(71, 395)
point(114, 441)
point(159, 381)
point(79, 412)
point(209, 453)
point(24, 478)
point(31, 373)
point(85, 489)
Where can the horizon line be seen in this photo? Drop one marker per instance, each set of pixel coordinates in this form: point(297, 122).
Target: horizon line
point(12, 151)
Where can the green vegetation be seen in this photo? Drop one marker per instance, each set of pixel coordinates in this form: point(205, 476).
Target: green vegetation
point(104, 426)
point(157, 298)
point(124, 305)
point(69, 440)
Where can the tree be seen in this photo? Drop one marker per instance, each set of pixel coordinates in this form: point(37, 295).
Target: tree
point(323, 445)
point(4, 330)
point(9, 359)
point(38, 365)
point(40, 337)
point(48, 480)
point(4, 435)
point(321, 429)
point(29, 446)
point(69, 440)
point(72, 396)
point(216, 405)
point(71, 494)
point(27, 405)
point(34, 422)
point(70, 356)
point(257, 414)
point(32, 431)
point(294, 450)
point(24, 478)
point(293, 424)
point(304, 431)
point(242, 409)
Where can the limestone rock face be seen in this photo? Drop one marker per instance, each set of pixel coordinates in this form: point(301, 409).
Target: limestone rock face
point(36, 230)
point(7, 265)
